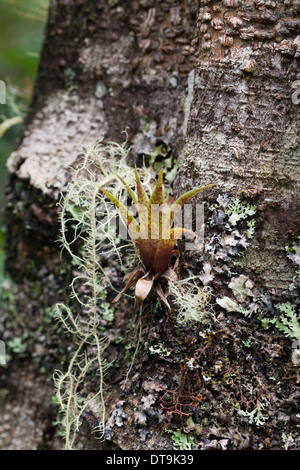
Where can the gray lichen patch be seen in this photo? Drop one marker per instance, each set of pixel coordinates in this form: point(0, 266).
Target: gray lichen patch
point(198, 158)
point(54, 139)
point(113, 60)
point(232, 119)
point(268, 263)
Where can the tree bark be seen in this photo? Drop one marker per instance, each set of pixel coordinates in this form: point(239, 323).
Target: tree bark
point(213, 82)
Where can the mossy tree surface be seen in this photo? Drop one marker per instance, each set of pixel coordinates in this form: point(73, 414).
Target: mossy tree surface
point(211, 82)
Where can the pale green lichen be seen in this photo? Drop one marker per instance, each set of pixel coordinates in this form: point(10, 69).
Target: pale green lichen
point(228, 304)
point(258, 415)
point(251, 228)
point(242, 285)
point(288, 323)
point(182, 442)
point(160, 350)
point(191, 301)
point(238, 211)
point(108, 312)
point(288, 440)
point(18, 345)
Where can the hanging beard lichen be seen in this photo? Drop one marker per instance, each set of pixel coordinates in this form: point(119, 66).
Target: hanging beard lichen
point(87, 234)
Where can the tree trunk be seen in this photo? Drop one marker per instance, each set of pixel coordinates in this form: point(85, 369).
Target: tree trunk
point(213, 83)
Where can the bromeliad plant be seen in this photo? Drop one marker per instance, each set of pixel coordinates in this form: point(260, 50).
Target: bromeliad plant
point(154, 235)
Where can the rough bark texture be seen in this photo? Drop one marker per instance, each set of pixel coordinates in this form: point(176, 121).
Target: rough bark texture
point(213, 82)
